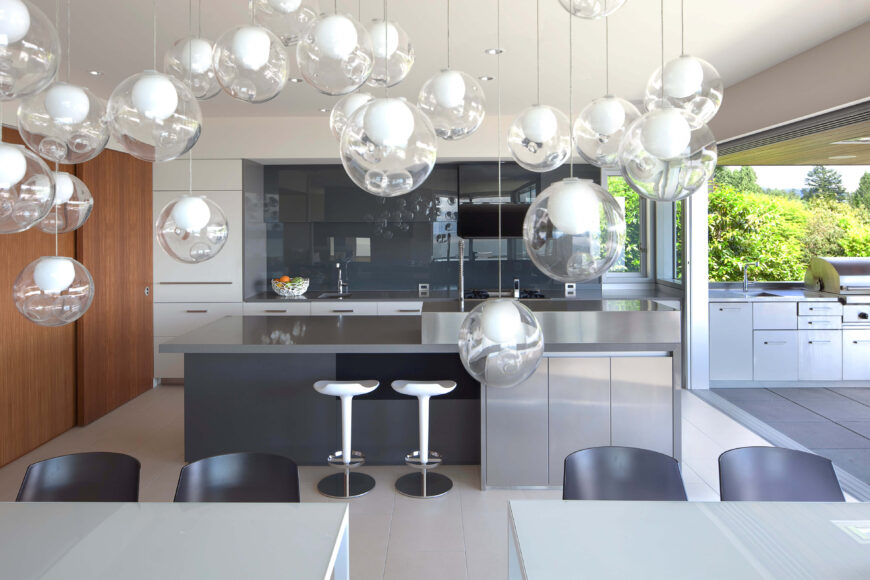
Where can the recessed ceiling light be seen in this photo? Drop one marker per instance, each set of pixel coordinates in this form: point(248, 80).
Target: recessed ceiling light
point(842, 157)
point(855, 141)
point(94, 73)
point(324, 110)
point(296, 80)
point(493, 51)
point(486, 78)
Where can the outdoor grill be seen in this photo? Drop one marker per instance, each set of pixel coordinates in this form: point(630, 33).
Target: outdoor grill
point(849, 279)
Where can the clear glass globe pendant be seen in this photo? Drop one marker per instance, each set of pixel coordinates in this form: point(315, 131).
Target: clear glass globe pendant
point(192, 229)
point(27, 189)
point(388, 147)
point(288, 19)
point(592, 9)
point(455, 103)
point(335, 54)
point(501, 343)
point(539, 138)
point(29, 50)
point(343, 109)
point(688, 83)
point(190, 61)
point(154, 116)
point(53, 291)
point(251, 63)
point(65, 123)
point(574, 230)
point(667, 154)
point(599, 128)
point(393, 54)
point(73, 204)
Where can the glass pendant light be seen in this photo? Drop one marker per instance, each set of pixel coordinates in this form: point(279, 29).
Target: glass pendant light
point(453, 100)
point(190, 60)
point(53, 291)
point(29, 50)
point(64, 123)
point(335, 54)
point(574, 230)
point(393, 53)
point(687, 82)
point(539, 138)
point(27, 188)
point(668, 153)
point(592, 9)
point(288, 19)
point(73, 204)
point(343, 109)
point(501, 342)
point(601, 124)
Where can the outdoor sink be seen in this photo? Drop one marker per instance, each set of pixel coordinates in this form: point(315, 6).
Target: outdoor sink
point(334, 295)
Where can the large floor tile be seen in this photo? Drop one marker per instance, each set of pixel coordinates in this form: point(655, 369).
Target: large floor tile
point(827, 403)
point(854, 461)
point(369, 540)
point(745, 394)
point(427, 533)
point(860, 427)
point(403, 565)
point(779, 410)
point(817, 434)
point(860, 394)
point(701, 492)
point(486, 540)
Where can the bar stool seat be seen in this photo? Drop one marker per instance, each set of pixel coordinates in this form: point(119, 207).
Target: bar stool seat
point(346, 484)
point(424, 484)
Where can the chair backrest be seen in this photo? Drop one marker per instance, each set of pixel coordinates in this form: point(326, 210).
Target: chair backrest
point(239, 477)
point(96, 476)
point(776, 474)
point(622, 473)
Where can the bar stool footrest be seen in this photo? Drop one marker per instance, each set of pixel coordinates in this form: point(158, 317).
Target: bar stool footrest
point(357, 458)
point(423, 484)
point(414, 460)
point(346, 485)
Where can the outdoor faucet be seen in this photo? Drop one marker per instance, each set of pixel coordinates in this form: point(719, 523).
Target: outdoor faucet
point(342, 285)
point(746, 274)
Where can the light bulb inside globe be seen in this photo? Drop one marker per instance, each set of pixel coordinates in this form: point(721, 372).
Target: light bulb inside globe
point(285, 6)
point(251, 45)
point(54, 275)
point(196, 55)
point(191, 214)
point(501, 322)
point(573, 208)
point(606, 116)
point(389, 122)
point(335, 36)
point(352, 102)
point(14, 21)
point(13, 165)
point(155, 96)
point(539, 124)
point(665, 133)
point(63, 188)
point(385, 38)
point(682, 77)
point(449, 89)
point(67, 104)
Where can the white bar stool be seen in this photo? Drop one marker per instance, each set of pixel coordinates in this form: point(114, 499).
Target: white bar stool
point(423, 483)
point(346, 484)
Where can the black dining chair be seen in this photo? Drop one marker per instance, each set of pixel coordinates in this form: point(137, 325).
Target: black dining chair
point(94, 476)
point(239, 477)
point(622, 473)
point(776, 474)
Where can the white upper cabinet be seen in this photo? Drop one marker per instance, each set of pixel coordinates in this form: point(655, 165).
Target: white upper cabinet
point(208, 175)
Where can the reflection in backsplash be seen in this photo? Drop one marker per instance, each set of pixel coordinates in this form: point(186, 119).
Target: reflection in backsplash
point(315, 217)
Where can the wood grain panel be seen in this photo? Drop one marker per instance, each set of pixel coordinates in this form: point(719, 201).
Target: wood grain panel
point(38, 378)
point(822, 148)
point(116, 354)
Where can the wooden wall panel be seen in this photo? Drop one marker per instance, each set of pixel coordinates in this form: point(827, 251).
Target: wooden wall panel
point(116, 360)
point(37, 364)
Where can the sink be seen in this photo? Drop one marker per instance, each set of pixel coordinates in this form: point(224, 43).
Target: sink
point(335, 295)
point(767, 294)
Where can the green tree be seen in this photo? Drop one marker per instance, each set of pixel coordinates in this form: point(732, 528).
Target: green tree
point(824, 182)
point(861, 197)
point(743, 179)
point(618, 187)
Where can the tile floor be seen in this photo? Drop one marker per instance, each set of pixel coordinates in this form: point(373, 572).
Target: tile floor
point(833, 422)
point(461, 535)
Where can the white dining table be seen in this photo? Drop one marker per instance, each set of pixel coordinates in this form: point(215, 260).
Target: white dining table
point(135, 541)
point(734, 540)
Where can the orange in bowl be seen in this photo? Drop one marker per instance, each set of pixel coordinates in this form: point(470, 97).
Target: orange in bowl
point(284, 279)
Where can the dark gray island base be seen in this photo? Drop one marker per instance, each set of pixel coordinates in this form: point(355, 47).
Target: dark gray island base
point(249, 382)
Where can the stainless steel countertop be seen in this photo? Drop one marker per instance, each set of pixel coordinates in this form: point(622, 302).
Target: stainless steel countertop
point(769, 295)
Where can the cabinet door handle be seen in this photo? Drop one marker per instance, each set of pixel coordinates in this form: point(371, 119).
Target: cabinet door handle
point(820, 307)
point(275, 311)
point(817, 322)
point(819, 341)
point(775, 342)
point(343, 311)
point(730, 308)
point(860, 341)
point(409, 310)
point(197, 311)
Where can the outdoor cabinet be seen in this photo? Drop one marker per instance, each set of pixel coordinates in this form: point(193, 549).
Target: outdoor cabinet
point(775, 355)
point(820, 355)
point(730, 341)
point(856, 355)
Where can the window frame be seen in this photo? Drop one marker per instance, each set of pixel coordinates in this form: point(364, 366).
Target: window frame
point(647, 229)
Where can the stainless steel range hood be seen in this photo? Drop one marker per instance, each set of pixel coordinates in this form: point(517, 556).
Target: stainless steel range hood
point(846, 277)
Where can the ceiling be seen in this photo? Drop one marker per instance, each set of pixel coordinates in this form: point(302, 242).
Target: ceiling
point(740, 38)
point(833, 147)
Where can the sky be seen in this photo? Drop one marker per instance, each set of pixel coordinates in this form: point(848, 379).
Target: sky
point(793, 176)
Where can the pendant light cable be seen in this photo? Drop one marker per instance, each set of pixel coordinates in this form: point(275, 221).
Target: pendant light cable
point(448, 34)
point(68, 41)
point(154, 30)
point(607, 55)
point(199, 18)
point(56, 207)
point(682, 27)
point(498, 129)
point(251, 10)
point(538, 45)
point(571, 89)
point(662, 69)
point(386, 50)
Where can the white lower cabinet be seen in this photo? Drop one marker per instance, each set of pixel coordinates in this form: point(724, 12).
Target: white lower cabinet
point(775, 355)
point(856, 355)
point(820, 355)
point(730, 341)
point(400, 308)
point(343, 308)
point(301, 308)
point(172, 319)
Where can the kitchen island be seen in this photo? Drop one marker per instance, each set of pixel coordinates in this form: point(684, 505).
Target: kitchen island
point(609, 374)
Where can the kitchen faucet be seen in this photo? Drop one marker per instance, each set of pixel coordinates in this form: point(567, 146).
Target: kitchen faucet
point(342, 285)
point(516, 288)
point(746, 274)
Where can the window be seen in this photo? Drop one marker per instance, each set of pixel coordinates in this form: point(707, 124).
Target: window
point(633, 258)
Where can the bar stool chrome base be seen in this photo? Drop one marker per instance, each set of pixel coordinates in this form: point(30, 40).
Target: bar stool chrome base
point(357, 458)
point(424, 484)
point(414, 460)
point(346, 485)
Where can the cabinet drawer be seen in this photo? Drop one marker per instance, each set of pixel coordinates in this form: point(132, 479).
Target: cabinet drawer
point(167, 365)
point(775, 355)
point(400, 308)
point(820, 323)
point(301, 308)
point(774, 316)
point(342, 308)
point(177, 318)
point(820, 308)
point(730, 341)
point(856, 355)
point(820, 355)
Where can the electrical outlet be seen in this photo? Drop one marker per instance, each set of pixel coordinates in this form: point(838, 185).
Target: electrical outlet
point(422, 290)
point(570, 289)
